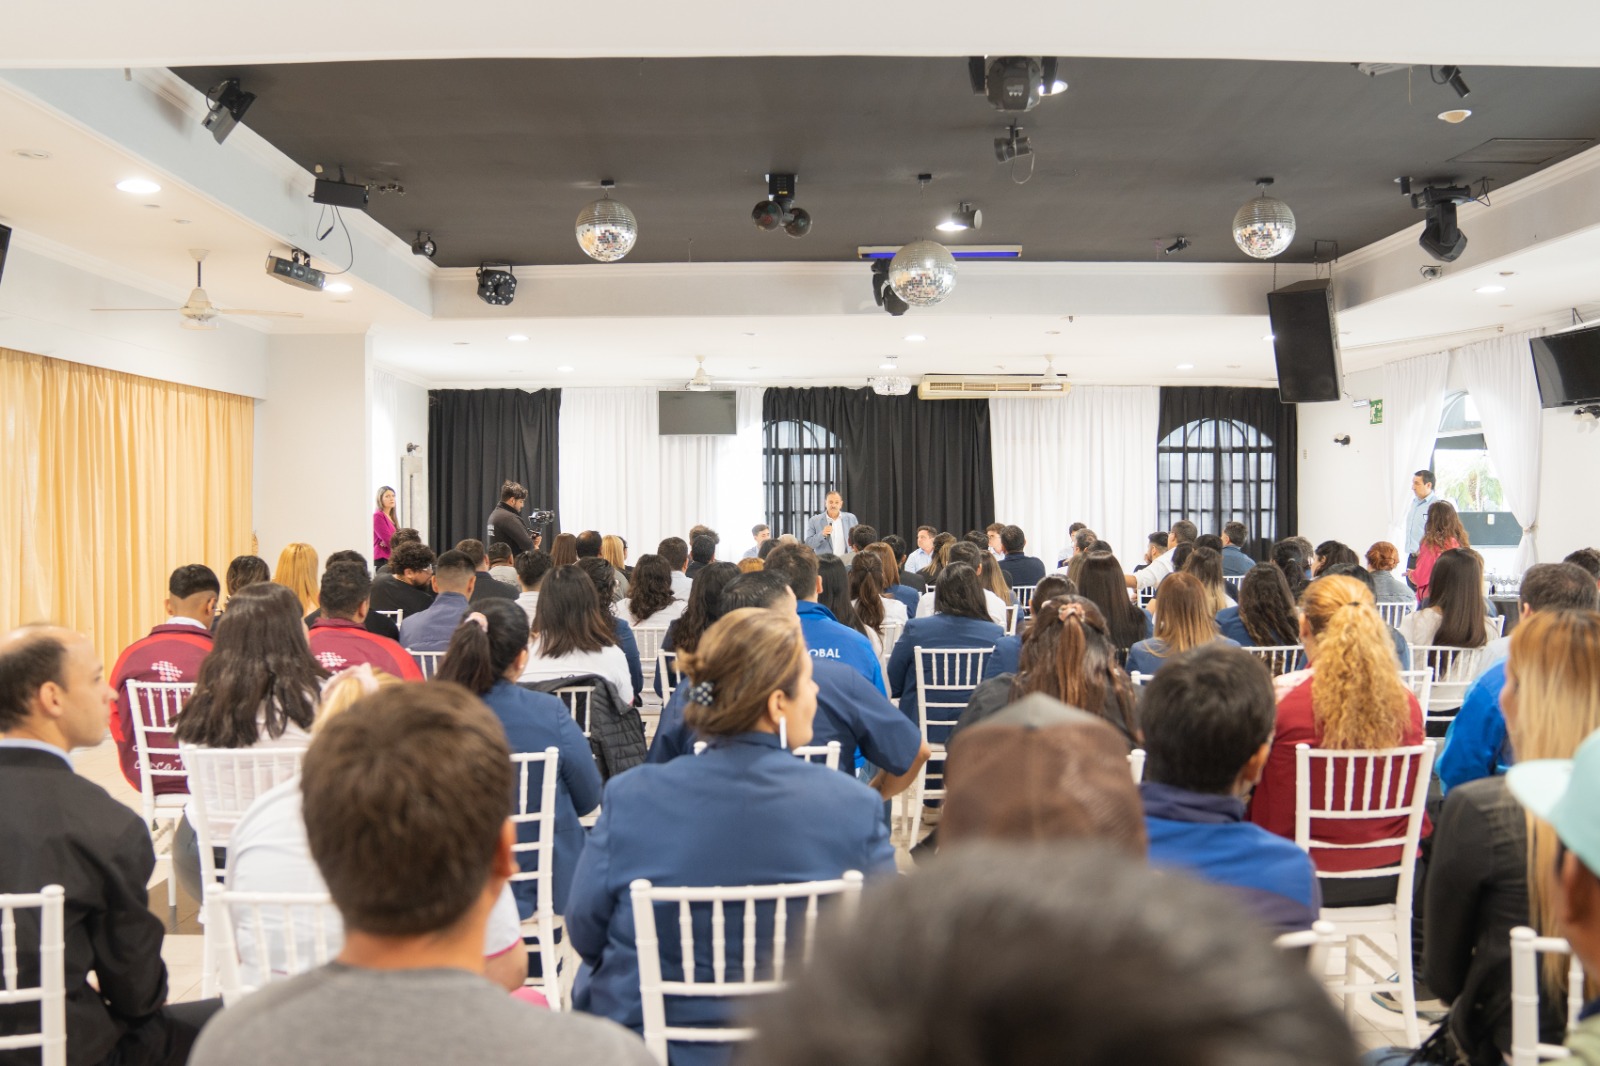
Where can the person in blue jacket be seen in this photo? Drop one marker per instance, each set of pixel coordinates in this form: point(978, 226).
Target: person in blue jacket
point(744, 812)
point(1183, 621)
point(826, 637)
point(1007, 657)
point(486, 655)
point(960, 619)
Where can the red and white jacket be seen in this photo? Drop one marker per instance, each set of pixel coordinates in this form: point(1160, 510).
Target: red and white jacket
point(172, 652)
point(338, 642)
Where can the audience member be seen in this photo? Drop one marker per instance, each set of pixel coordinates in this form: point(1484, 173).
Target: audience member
point(407, 588)
point(1588, 559)
point(703, 608)
point(502, 564)
point(1332, 553)
point(587, 544)
point(825, 636)
point(487, 655)
point(1184, 620)
point(1205, 566)
point(993, 579)
point(835, 596)
point(1101, 582)
point(1352, 698)
point(564, 550)
point(991, 534)
point(1019, 569)
point(702, 553)
point(1183, 532)
point(1153, 549)
point(675, 551)
point(1382, 558)
point(604, 579)
point(941, 557)
point(767, 546)
point(985, 569)
point(752, 697)
point(869, 597)
point(1008, 954)
point(1478, 744)
point(614, 550)
point(1008, 649)
point(531, 568)
point(413, 779)
point(918, 560)
point(652, 599)
point(297, 571)
point(1288, 558)
point(348, 556)
point(1402, 649)
point(1453, 618)
point(758, 533)
point(750, 566)
point(894, 591)
point(902, 573)
point(257, 689)
point(1066, 654)
point(1443, 532)
point(485, 588)
point(243, 570)
point(170, 652)
point(454, 579)
point(1265, 616)
point(1209, 540)
point(960, 620)
point(403, 535)
point(861, 535)
point(339, 638)
point(1235, 563)
point(59, 828)
point(383, 524)
point(572, 637)
point(1208, 719)
point(1043, 772)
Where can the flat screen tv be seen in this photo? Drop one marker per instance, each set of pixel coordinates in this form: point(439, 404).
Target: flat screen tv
point(698, 413)
point(1567, 366)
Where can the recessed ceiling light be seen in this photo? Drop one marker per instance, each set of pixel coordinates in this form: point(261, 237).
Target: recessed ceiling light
point(1485, 290)
point(1052, 333)
point(1508, 273)
point(564, 369)
point(914, 337)
point(152, 205)
point(1185, 366)
point(31, 153)
point(460, 344)
point(181, 221)
point(519, 337)
point(341, 286)
point(890, 365)
point(749, 333)
point(138, 186)
point(1459, 114)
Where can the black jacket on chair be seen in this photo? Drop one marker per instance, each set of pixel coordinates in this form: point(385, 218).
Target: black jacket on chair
point(616, 732)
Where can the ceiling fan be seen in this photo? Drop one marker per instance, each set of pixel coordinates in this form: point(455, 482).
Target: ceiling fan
point(199, 312)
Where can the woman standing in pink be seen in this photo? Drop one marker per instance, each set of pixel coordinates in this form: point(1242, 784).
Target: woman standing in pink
point(1442, 532)
point(383, 525)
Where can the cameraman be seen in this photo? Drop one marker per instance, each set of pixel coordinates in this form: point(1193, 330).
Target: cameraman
point(506, 524)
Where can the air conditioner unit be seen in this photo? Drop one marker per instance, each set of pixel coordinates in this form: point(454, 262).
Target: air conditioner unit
point(976, 387)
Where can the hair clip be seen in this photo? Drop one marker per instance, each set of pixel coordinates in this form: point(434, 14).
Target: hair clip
point(702, 692)
point(1069, 610)
point(482, 622)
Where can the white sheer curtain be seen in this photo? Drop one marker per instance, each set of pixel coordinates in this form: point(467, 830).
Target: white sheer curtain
point(619, 475)
point(1499, 374)
point(1413, 403)
point(1090, 457)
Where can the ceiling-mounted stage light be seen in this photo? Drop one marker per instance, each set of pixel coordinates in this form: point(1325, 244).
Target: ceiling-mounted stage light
point(1013, 145)
point(1015, 83)
point(922, 273)
point(1441, 236)
point(1451, 76)
point(965, 216)
point(606, 229)
point(496, 286)
point(225, 108)
point(778, 208)
point(424, 245)
point(1176, 246)
point(1264, 226)
point(882, 294)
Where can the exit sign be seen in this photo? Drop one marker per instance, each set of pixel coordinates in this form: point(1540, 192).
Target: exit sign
point(1375, 413)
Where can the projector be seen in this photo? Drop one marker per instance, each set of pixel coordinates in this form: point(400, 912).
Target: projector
point(339, 193)
point(296, 272)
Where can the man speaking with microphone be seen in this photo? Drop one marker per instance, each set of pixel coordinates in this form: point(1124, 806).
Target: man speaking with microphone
point(830, 531)
point(506, 524)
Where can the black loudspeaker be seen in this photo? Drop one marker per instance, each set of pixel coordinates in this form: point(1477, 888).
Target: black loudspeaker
point(1305, 339)
point(5, 246)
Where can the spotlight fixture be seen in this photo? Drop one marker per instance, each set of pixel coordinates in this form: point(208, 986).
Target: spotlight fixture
point(1176, 246)
point(1264, 226)
point(882, 295)
point(1441, 236)
point(1588, 413)
point(225, 108)
point(1011, 146)
point(778, 208)
point(496, 286)
point(1015, 83)
point(606, 229)
point(424, 245)
point(1451, 76)
point(965, 216)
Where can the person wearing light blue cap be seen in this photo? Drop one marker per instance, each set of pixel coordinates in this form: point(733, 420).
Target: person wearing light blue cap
point(1566, 794)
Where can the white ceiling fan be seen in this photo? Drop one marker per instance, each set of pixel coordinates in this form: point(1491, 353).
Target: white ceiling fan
point(199, 312)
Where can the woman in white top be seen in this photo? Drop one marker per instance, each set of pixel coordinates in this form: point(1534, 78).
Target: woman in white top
point(973, 556)
point(1454, 618)
point(650, 601)
point(256, 689)
point(572, 634)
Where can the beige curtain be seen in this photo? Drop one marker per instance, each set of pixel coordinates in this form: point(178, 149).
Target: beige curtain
point(107, 483)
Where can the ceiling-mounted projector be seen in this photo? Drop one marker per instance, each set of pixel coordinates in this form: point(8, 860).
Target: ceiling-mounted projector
point(296, 270)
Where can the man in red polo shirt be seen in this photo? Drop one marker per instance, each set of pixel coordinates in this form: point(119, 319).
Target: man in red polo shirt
point(172, 652)
point(340, 639)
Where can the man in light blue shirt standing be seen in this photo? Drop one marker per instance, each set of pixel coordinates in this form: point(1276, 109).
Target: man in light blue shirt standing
point(1417, 517)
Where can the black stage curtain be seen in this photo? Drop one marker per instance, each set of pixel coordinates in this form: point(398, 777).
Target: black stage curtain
point(901, 461)
point(478, 438)
point(1229, 454)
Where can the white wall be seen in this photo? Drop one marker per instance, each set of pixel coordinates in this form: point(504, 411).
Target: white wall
point(399, 417)
point(313, 480)
point(1568, 461)
point(1343, 495)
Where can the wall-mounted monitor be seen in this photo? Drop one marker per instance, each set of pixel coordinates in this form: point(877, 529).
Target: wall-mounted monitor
point(1567, 366)
point(698, 413)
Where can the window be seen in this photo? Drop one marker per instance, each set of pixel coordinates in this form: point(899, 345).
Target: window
point(1465, 475)
point(1213, 471)
point(802, 463)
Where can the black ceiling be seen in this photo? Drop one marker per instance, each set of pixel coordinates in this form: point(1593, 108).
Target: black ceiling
point(497, 156)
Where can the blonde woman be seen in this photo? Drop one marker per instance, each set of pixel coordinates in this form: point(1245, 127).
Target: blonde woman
point(1351, 697)
point(1205, 565)
point(297, 571)
point(615, 552)
point(1184, 620)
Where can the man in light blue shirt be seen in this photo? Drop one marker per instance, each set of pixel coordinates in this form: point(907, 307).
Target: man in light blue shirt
point(918, 560)
point(453, 579)
point(1417, 517)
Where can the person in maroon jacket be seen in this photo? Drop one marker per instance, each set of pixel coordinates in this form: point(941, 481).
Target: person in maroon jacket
point(339, 637)
point(172, 652)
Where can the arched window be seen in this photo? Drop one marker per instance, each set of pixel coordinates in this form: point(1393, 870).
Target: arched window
point(1464, 474)
point(1213, 471)
point(802, 463)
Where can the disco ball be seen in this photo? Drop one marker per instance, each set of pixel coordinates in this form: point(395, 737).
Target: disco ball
point(922, 273)
point(1263, 227)
point(606, 230)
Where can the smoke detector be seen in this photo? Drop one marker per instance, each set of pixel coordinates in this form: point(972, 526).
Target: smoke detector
point(701, 382)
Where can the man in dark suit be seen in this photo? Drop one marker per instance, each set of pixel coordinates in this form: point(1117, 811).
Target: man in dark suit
point(59, 828)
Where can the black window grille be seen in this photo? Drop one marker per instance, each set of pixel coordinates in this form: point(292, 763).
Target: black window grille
point(1213, 471)
point(802, 463)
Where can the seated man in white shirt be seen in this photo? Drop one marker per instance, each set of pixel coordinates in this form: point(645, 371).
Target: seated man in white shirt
point(675, 550)
point(1183, 532)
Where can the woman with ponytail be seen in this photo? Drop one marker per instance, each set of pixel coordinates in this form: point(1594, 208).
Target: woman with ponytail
point(743, 812)
point(487, 653)
point(1350, 697)
point(1068, 654)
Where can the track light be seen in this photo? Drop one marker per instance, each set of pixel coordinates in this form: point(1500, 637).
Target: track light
point(424, 245)
point(1451, 76)
point(1176, 246)
point(965, 216)
point(1441, 236)
point(226, 105)
point(778, 208)
point(1011, 146)
point(496, 286)
point(883, 293)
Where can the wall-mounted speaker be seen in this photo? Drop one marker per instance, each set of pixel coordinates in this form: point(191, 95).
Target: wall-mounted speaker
point(5, 246)
point(1305, 339)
